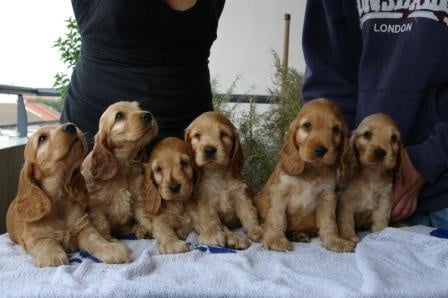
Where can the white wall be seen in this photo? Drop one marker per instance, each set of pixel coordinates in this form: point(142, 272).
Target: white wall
point(28, 29)
point(248, 30)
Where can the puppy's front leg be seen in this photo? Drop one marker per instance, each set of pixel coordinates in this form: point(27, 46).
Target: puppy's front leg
point(211, 232)
point(381, 215)
point(43, 240)
point(248, 215)
point(48, 253)
point(166, 237)
point(184, 230)
point(99, 221)
point(90, 240)
point(346, 222)
point(275, 226)
point(234, 240)
point(326, 223)
point(144, 223)
point(192, 217)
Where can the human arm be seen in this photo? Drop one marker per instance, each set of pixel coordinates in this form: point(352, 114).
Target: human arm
point(332, 49)
point(423, 162)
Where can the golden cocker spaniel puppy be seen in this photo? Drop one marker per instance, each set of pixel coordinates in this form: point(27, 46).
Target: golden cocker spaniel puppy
point(48, 215)
point(114, 170)
point(223, 197)
point(167, 208)
point(366, 200)
point(299, 199)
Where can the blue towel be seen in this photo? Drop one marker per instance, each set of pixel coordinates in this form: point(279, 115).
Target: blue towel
point(439, 233)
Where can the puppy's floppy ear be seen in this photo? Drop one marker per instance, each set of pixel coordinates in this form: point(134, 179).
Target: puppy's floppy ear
point(290, 161)
point(32, 202)
point(190, 149)
point(187, 139)
point(77, 188)
point(348, 160)
point(398, 170)
point(237, 156)
point(151, 197)
point(102, 164)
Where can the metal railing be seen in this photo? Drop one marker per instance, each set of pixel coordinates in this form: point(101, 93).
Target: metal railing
point(246, 98)
point(22, 119)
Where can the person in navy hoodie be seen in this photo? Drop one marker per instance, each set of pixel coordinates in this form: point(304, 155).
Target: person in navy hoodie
point(389, 56)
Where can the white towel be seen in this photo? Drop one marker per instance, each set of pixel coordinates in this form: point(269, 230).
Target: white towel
point(394, 263)
point(403, 263)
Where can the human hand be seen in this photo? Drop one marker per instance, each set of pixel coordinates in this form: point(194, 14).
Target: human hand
point(406, 193)
point(181, 5)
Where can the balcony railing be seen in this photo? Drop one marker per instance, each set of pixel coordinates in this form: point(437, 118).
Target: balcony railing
point(22, 119)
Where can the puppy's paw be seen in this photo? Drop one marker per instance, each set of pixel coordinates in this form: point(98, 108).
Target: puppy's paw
point(173, 247)
point(353, 239)
point(214, 238)
point(112, 239)
point(102, 227)
point(255, 233)
point(377, 228)
point(350, 236)
point(141, 232)
point(183, 233)
point(52, 257)
point(71, 245)
point(399, 224)
point(277, 242)
point(299, 236)
point(237, 241)
point(113, 253)
point(339, 245)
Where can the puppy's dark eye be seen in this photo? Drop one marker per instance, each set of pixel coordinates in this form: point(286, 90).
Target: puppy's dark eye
point(196, 135)
point(367, 135)
point(119, 116)
point(41, 139)
point(394, 138)
point(336, 129)
point(306, 125)
point(223, 135)
point(184, 163)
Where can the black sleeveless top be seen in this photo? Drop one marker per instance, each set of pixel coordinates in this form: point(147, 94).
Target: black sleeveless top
point(145, 51)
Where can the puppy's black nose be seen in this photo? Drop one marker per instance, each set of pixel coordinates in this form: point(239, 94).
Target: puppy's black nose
point(380, 153)
point(175, 187)
point(70, 128)
point(146, 117)
point(320, 151)
point(210, 151)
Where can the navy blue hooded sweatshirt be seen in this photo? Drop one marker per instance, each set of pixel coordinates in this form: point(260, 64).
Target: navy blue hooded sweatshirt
point(387, 56)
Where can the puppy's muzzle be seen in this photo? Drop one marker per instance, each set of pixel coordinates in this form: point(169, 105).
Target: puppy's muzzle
point(174, 188)
point(69, 128)
point(146, 117)
point(320, 151)
point(210, 151)
point(379, 154)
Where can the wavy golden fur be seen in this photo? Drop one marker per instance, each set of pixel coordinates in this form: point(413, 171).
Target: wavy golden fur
point(366, 200)
point(48, 215)
point(299, 200)
point(223, 197)
point(167, 208)
point(114, 170)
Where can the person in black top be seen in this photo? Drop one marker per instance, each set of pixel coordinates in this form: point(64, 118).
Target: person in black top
point(148, 51)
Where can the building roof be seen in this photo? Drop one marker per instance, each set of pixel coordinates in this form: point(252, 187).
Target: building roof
point(36, 112)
